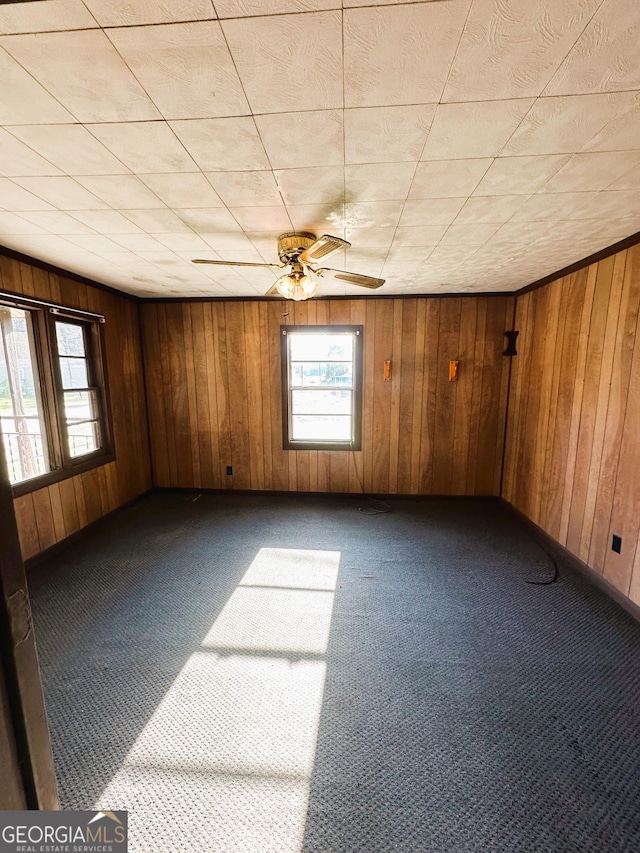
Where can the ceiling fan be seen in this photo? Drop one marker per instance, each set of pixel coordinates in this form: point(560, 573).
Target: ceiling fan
point(301, 251)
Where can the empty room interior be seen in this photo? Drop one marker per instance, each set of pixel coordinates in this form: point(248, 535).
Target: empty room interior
point(319, 420)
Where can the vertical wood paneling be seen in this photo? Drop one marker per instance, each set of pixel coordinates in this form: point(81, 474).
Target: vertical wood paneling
point(421, 433)
point(48, 515)
point(573, 441)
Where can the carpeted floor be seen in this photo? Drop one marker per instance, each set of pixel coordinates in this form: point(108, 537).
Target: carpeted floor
point(251, 674)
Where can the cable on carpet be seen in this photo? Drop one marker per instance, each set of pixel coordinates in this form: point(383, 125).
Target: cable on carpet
point(376, 506)
point(554, 563)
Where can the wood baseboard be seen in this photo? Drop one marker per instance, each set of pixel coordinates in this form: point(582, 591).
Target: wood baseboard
point(569, 557)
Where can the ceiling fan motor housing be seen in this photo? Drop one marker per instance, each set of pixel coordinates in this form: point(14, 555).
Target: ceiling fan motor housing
point(293, 244)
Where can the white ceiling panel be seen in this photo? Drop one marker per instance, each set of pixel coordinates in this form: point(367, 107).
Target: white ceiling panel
point(565, 124)
point(63, 193)
point(145, 146)
point(45, 17)
point(448, 178)
point(387, 134)
point(463, 146)
point(307, 186)
point(71, 148)
point(391, 56)
point(516, 175)
point(103, 88)
point(223, 144)
point(183, 190)
point(478, 129)
point(185, 68)
point(23, 100)
point(511, 50)
point(605, 56)
point(378, 181)
point(322, 133)
point(118, 13)
point(289, 62)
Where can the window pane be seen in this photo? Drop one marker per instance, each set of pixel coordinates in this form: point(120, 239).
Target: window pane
point(317, 347)
point(313, 402)
point(79, 406)
point(74, 372)
point(326, 373)
point(320, 428)
point(83, 438)
point(23, 431)
point(70, 339)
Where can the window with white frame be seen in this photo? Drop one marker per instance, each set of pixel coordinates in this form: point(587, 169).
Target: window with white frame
point(322, 387)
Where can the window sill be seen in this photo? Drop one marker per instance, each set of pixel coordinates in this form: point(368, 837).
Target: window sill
point(51, 477)
point(322, 445)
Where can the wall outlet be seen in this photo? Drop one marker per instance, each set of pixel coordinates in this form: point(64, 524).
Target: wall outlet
point(616, 543)
point(229, 470)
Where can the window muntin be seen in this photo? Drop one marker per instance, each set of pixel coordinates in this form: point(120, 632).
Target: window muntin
point(322, 382)
point(23, 426)
point(58, 425)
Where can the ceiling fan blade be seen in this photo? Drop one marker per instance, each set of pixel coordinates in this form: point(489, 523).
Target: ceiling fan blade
point(322, 248)
point(273, 291)
point(235, 263)
point(352, 278)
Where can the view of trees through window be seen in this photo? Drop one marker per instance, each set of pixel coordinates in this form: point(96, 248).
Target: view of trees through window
point(23, 432)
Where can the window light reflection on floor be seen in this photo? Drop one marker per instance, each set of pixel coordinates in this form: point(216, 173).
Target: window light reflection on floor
point(225, 762)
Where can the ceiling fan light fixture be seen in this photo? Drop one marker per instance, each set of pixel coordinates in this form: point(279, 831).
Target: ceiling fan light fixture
point(296, 286)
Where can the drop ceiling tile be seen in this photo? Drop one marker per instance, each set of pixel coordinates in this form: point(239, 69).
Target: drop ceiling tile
point(629, 181)
point(551, 207)
point(206, 220)
point(433, 211)
point(621, 133)
point(71, 148)
point(208, 142)
point(520, 175)
point(511, 50)
point(17, 159)
point(274, 218)
point(93, 242)
point(246, 189)
point(11, 223)
point(298, 139)
point(419, 235)
point(593, 171)
point(563, 125)
point(63, 193)
point(283, 62)
point(415, 68)
point(103, 88)
point(120, 191)
point(490, 208)
point(183, 190)
point(308, 186)
point(140, 242)
point(609, 204)
point(448, 178)
point(387, 134)
point(187, 242)
point(480, 129)
point(45, 17)
point(116, 13)
point(157, 221)
point(370, 214)
point(253, 8)
point(145, 146)
point(371, 238)
point(186, 68)
point(106, 221)
point(378, 181)
point(57, 222)
point(23, 100)
point(469, 234)
point(266, 244)
point(605, 56)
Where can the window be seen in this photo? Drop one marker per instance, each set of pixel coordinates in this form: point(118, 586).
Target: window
point(322, 387)
point(53, 404)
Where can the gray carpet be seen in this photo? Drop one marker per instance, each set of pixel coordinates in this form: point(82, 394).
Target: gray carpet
point(433, 702)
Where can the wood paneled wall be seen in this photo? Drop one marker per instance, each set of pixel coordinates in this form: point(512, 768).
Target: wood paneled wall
point(213, 372)
point(572, 461)
point(49, 515)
